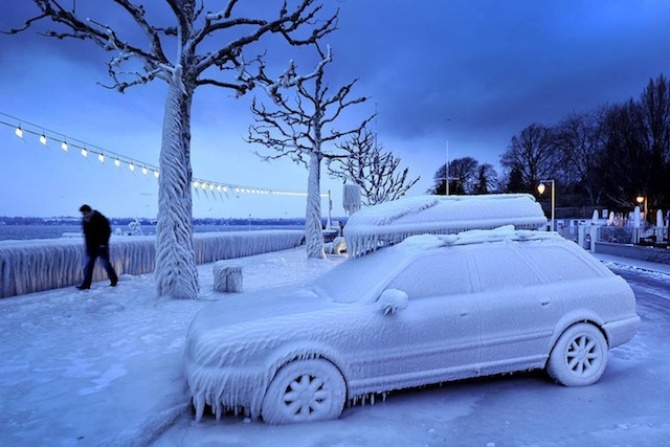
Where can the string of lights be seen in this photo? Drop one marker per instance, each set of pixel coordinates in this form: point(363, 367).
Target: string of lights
point(23, 129)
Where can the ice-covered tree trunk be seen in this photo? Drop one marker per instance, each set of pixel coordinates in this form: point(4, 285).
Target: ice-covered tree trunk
point(176, 274)
point(313, 233)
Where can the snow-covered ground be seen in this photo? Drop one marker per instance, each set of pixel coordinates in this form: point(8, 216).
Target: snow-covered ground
point(103, 367)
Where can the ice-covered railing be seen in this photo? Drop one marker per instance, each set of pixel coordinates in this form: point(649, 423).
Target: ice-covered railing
point(391, 222)
point(36, 265)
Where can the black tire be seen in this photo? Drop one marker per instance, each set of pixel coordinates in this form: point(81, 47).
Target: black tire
point(304, 391)
point(579, 356)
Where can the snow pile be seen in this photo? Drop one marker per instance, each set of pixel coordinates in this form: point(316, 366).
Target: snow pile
point(391, 222)
point(37, 265)
point(227, 278)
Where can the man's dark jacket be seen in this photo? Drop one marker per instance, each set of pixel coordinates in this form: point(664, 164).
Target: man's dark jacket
point(96, 231)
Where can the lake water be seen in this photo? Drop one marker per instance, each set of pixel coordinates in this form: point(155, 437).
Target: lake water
point(28, 232)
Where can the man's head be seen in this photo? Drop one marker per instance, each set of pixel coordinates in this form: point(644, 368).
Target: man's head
point(86, 211)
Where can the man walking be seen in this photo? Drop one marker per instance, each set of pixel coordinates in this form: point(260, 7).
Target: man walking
point(96, 232)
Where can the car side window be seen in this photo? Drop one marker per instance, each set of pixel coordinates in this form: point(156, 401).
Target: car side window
point(501, 267)
point(441, 273)
point(565, 265)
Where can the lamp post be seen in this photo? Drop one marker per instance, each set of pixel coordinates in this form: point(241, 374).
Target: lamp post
point(541, 188)
point(640, 200)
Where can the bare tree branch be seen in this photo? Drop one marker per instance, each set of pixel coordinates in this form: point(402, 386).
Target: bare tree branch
point(376, 172)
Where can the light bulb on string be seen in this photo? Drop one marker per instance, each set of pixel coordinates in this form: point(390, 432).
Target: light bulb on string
point(146, 169)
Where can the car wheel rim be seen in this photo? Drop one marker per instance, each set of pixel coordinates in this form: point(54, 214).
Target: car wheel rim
point(306, 396)
point(583, 355)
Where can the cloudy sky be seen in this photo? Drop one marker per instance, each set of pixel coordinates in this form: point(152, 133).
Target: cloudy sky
point(462, 74)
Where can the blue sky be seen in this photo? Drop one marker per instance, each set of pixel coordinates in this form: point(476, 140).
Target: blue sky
point(470, 72)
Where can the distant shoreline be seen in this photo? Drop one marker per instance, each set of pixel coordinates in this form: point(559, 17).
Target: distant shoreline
point(66, 220)
point(58, 229)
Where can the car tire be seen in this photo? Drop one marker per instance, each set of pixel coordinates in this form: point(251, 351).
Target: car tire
point(304, 391)
point(579, 356)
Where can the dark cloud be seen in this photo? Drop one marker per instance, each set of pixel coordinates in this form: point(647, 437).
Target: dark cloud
point(473, 72)
point(495, 67)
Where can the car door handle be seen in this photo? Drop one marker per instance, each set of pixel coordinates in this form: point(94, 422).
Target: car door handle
point(545, 303)
point(465, 313)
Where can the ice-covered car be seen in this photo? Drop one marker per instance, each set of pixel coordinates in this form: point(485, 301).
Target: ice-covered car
point(430, 309)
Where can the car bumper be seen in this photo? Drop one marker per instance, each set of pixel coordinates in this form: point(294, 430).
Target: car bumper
point(621, 331)
point(226, 389)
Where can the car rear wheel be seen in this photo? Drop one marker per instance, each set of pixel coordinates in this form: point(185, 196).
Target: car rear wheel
point(579, 356)
point(304, 391)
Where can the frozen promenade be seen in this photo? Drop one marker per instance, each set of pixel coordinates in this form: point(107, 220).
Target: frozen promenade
point(103, 366)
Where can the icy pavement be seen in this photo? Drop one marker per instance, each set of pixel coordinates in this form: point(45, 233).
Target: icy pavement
point(103, 367)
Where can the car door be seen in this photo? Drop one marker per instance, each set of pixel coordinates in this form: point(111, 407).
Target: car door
point(437, 336)
point(519, 309)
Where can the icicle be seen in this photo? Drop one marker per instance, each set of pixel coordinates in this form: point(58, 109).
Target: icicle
point(199, 403)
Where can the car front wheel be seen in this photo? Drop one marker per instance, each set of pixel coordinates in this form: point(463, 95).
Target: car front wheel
point(579, 356)
point(304, 391)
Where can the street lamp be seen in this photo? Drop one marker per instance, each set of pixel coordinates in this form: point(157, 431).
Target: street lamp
point(541, 188)
point(639, 200)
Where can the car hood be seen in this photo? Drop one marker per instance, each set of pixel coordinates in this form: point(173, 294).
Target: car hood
point(239, 328)
point(257, 307)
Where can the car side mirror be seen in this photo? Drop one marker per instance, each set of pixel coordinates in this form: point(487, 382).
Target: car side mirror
point(392, 300)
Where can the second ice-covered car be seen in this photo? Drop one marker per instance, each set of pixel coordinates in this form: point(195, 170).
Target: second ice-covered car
point(430, 309)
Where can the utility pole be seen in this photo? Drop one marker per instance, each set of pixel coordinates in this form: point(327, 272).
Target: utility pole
point(447, 169)
point(446, 166)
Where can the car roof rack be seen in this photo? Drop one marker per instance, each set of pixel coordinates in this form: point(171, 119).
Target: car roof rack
point(390, 222)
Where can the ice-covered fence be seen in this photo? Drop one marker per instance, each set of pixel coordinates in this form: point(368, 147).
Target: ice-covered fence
point(33, 266)
point(211, 247)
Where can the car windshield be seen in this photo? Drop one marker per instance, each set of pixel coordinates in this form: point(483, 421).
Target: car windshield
point(360, 279)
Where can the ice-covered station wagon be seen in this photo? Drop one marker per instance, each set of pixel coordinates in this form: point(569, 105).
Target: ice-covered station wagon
point(430, 309)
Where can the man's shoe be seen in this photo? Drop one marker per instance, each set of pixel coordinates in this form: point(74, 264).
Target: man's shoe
point(113, 283)
point(83, 287)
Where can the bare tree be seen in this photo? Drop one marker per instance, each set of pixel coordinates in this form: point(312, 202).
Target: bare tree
point(364, 163)
point(201, 49)
point(462, 177)
point(625, 162)
point(532, 154)
point(654, 118)
point(581, 139)
point(487, 179)
point(300, 126)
